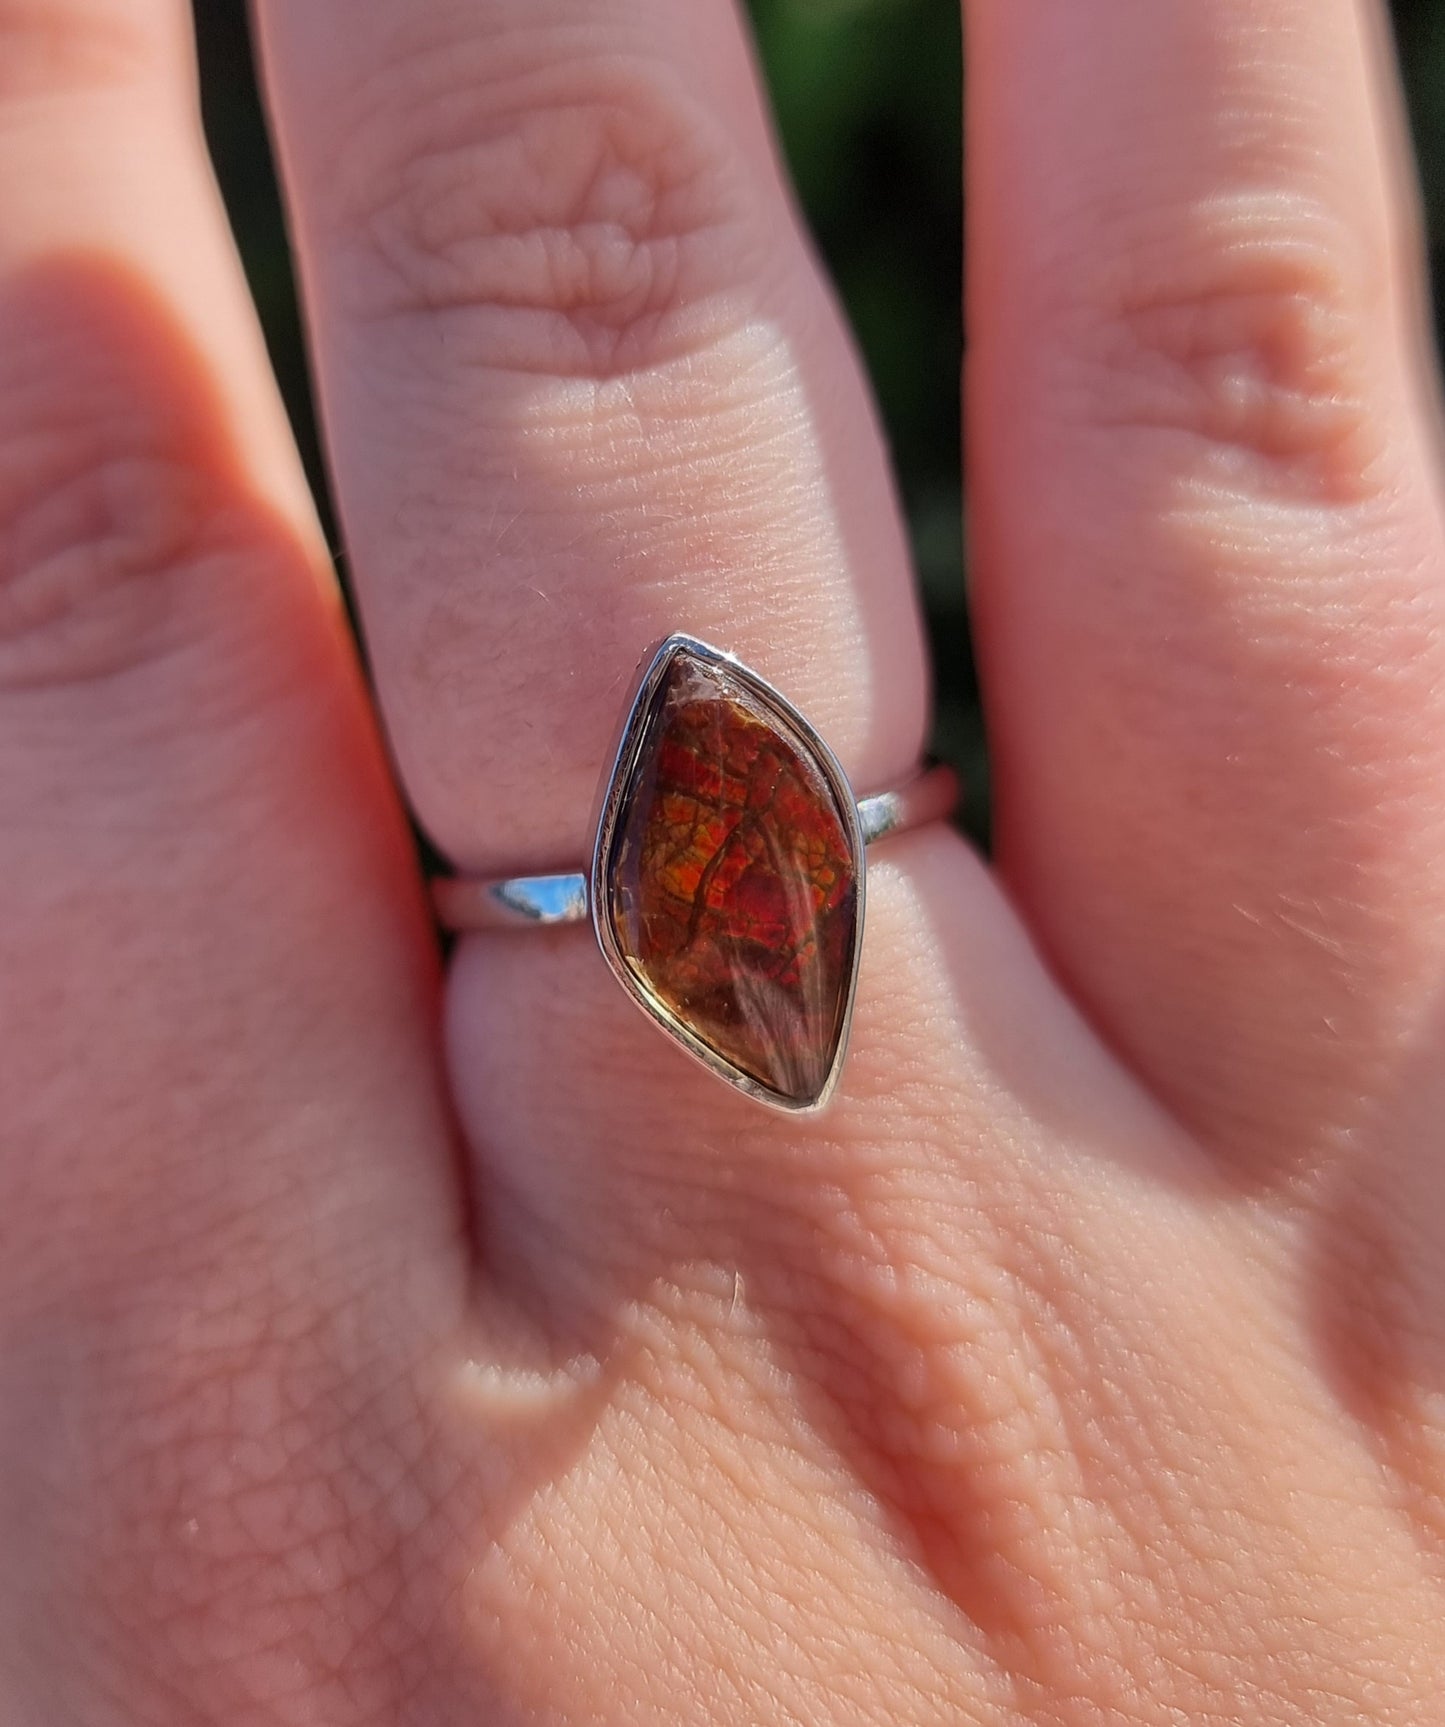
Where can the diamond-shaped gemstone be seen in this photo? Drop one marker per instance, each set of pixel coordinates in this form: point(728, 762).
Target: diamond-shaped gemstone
point(731, 878)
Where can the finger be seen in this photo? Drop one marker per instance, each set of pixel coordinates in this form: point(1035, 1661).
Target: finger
point(215, 990)
point(583, 388)
point(1208, 542)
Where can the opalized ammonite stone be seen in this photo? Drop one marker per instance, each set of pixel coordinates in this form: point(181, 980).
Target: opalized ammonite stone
point(731, 881)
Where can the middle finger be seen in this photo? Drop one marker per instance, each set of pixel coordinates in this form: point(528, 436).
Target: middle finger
point(583, 387)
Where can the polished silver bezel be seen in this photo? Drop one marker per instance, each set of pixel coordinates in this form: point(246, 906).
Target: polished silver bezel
point(792, 724)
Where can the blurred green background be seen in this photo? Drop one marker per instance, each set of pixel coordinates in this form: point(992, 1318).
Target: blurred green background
point(867, 99)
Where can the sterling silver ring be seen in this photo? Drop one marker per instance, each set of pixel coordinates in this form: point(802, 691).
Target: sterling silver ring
point(727, 881)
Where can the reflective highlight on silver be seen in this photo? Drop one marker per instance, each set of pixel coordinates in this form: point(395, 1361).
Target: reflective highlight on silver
point(526, 902)
point(513, 902)
point(930, 797)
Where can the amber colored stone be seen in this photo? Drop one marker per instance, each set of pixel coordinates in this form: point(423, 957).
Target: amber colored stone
point(732, 881)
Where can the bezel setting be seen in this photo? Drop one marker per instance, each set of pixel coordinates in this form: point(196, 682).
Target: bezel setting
point(794, 730)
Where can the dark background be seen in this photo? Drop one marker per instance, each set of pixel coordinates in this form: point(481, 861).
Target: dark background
point(867, 98)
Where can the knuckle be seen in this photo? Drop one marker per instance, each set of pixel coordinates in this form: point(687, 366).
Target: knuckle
point(585, 223)
point(1243, 340)
point(122, 522)
point(49, 48)
point(92, 549)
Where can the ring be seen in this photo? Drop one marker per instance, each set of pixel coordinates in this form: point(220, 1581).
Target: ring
point(727, 881)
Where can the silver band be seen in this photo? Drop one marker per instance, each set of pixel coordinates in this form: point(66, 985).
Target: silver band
point(536, 901)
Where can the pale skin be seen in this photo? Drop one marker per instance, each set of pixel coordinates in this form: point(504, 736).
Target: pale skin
point(385, 1342)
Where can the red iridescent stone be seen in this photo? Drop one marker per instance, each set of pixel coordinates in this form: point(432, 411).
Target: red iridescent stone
point(731, 880)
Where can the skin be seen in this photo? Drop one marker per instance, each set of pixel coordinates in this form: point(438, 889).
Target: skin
point(381, 1343)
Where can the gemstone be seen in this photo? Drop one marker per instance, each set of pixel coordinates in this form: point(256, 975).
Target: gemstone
point(730, 878)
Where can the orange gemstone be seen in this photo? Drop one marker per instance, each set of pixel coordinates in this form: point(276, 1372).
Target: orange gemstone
point(732, 880)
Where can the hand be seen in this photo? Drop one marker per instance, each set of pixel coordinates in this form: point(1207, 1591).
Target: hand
point(379, 1348)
